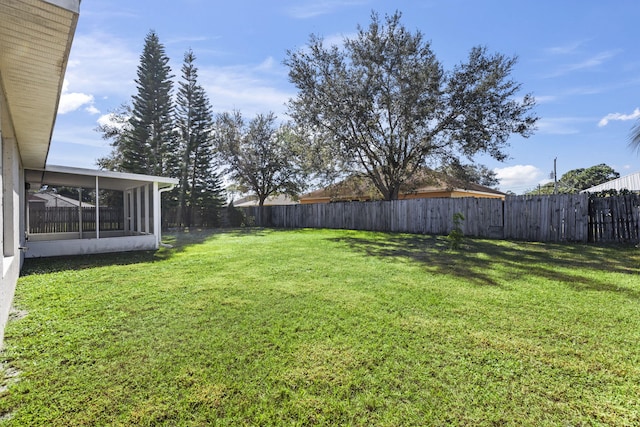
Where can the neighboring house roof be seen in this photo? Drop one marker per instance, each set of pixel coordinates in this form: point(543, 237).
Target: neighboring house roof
point(54, 200)
point(428, 184)
point(270, 201)
point(628, 182)
point(35, 41)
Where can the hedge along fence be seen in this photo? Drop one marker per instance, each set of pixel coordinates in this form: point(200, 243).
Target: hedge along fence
point(557, 218)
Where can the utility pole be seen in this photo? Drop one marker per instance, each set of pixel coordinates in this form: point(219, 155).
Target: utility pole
point(555, 177)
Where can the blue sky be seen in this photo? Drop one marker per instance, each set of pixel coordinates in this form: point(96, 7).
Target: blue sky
point(580, 59)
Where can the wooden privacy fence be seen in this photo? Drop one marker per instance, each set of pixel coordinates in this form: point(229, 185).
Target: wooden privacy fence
point(190, 217)
point(67, 219)
point(557, 218)
point(615, 219)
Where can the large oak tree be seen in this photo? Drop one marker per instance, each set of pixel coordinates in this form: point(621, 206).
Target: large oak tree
point(387, 108)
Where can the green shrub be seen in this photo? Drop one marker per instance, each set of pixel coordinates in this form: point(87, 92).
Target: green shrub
point(456, 235)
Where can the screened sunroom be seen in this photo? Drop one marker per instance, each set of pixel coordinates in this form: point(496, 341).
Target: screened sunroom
point(75, 211)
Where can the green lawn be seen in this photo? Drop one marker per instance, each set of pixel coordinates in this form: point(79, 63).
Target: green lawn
point(328, 327)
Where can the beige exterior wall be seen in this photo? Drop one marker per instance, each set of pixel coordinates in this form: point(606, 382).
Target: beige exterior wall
point(417, 195)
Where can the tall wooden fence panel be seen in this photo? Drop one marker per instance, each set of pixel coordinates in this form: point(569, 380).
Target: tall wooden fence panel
point(562, 217)
point(614, 219)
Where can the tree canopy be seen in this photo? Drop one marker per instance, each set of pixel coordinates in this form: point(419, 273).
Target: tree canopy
point(477, 174)
point(579, 179)
point(385, 105)
point(143, 139)
point(158, 135)
point(200, 186)
point(260, 156)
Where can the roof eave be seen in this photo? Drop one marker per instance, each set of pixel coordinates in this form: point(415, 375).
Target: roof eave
point(35, 42)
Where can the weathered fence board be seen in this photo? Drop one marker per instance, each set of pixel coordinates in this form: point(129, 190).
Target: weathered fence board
point(614, 219)
point(566, 217)
point(556, 218)
point(423, 216)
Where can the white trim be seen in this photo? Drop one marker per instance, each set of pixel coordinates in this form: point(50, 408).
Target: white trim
point(147, 214)
point(156, 214)
point(97, 208)
point(49, 248)
point(138, 210)
point(109, 174)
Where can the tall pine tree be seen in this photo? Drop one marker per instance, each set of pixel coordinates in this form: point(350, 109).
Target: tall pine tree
point(200, 190)
point(146, 143)
point(152, 120)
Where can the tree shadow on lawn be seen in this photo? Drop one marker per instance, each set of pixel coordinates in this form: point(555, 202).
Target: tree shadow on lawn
point(175, 241)
point(80, 262)
point(498, 263)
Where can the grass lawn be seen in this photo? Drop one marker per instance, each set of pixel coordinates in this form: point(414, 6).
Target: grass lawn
point(327, 327)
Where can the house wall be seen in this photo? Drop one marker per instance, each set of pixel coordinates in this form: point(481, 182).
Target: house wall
point(12, 205)
point(450, 194)
point(436, 194)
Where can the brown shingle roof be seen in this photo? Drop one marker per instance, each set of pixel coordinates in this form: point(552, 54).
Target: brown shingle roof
point(358, 188)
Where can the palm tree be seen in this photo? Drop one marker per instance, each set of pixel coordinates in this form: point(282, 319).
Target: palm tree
point(634, 137)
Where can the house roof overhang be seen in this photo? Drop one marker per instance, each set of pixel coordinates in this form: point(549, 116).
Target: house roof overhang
point(35, 41)
point(627, 182)
point(86, 178)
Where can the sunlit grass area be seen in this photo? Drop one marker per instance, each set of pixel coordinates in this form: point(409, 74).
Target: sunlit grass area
point(327, 327)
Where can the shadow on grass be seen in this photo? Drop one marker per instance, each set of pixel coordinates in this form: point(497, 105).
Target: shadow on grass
point(177, 241)
point(497, 263)
point(81, 262)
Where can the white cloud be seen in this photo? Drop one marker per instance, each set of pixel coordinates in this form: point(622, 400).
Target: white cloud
point(106, 119)
point(618, 116)
point(519, 178)
point(100, 66)
point(110, 120)
point(249, 89)
point(92, 110)
point(72, 101)
point(103, 65)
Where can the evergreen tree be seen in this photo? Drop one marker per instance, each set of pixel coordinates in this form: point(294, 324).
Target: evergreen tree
point(200, 189)
point(146, 143)
point(116, 129)
point(152, 123)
